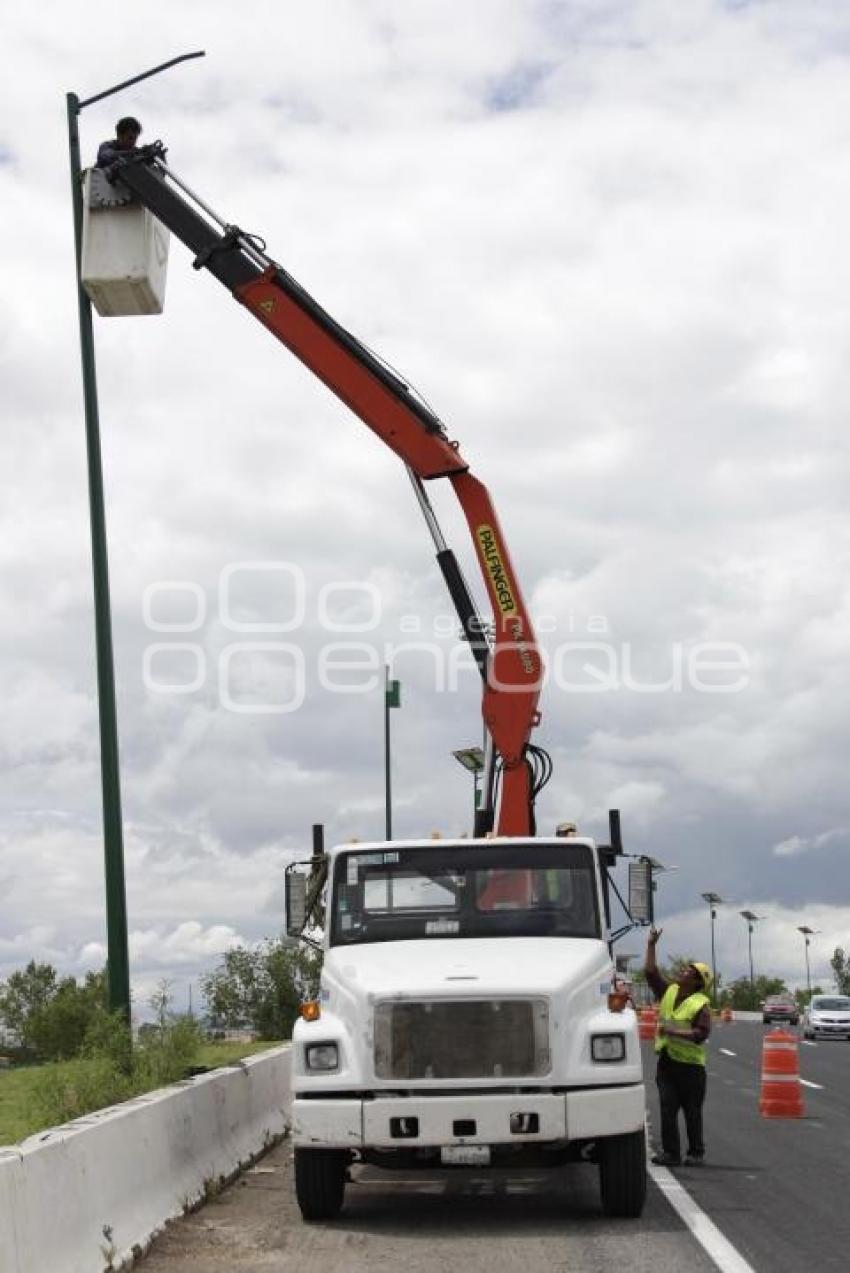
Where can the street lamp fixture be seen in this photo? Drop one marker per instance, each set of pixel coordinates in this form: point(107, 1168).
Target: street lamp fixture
point(642, 872)
point(472, 759)
point(751, 919)
point(714, 900)
point(807, 934)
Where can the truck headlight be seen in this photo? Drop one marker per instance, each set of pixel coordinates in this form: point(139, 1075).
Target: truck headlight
point(322, 1056)
point(608, 1047)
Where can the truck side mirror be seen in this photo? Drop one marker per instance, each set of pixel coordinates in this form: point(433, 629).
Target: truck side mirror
point(295, 902)
point(640, 891)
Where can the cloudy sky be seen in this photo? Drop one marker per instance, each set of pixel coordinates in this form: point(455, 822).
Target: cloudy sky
point(607, 241)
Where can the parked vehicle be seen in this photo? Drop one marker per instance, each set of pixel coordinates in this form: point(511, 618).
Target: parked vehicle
point(780, 1008)
point(827, 1017)
point(468, 1017)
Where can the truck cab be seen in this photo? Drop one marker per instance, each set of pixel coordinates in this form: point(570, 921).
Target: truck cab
point(468, 1017)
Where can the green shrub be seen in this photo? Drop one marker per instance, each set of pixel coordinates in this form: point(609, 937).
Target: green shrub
point(163, 1056)
point(109, 1070)
point(64, 1090)
point(108, 1037)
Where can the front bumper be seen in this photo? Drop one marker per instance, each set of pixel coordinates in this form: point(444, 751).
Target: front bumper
point(387, 1122)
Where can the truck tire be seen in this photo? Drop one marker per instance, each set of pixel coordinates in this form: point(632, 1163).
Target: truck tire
point(320, 1182)
point(622, 1174)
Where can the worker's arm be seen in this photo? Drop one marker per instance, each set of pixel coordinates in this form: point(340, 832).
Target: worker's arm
point(696, 1033)
point(654, 980)
point(109, 152)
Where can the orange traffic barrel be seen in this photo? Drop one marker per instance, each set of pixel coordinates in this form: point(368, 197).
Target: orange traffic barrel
point(647, 1022)
point(781, 1091)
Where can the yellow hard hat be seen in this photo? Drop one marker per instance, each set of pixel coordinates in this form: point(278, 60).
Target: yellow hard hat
point(705, 972)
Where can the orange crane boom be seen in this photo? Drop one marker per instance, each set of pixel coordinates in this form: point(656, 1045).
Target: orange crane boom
point(508, 656)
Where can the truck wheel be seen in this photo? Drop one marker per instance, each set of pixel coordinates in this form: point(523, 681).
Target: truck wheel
point(622, 1174)
point(320, 1182)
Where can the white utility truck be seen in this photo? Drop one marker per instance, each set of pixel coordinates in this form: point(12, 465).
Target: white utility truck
point(469, 1016)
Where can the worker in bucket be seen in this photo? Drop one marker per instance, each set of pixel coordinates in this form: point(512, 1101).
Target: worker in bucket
point(127, 132)
point(684, 1024)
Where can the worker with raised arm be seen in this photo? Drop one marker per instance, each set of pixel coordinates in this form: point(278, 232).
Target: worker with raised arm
point(127, 133)
point(684, 1024)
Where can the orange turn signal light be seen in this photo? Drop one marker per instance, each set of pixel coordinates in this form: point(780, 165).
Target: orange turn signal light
point(617, 1000)
point(311, 1010)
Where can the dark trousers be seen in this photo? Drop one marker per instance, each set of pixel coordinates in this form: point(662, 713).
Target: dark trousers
point(680, 1087)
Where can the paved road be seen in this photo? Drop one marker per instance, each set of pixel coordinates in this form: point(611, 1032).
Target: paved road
point(777, 1188)
point(773, 1188)
point(481, 1224)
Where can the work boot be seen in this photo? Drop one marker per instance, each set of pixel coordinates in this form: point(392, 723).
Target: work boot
point(666, 1160)
point(694, 1160)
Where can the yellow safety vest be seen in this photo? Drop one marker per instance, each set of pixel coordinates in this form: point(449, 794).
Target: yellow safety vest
point(684, 1013)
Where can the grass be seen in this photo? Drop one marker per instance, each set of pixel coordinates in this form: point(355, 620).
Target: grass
point(18, 1095)
point(213, 1054)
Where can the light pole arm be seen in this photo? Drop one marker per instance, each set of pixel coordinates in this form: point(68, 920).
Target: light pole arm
point(145, 75)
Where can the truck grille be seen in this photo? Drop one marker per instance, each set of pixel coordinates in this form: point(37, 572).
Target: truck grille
point(485, 1038)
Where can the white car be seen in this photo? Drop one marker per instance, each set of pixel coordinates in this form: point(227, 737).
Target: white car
point(827, 1017)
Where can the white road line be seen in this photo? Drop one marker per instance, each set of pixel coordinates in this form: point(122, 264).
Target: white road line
point(712, 1241)
point(726, 1052)
point(807, 1083)
point(808, 1043)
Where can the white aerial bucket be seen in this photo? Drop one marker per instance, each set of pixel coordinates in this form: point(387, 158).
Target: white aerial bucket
point(125, 250)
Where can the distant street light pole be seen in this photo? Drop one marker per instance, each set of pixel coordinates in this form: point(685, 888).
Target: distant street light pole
point(807, 934)
point(392, 698)
point(118, 962)
point(714, 900)
point(472, 759)
point(751, 919)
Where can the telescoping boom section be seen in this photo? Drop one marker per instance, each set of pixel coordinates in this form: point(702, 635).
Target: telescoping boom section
point(507, 655)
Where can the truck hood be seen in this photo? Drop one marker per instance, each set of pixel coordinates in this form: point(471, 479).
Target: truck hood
point(469, 968)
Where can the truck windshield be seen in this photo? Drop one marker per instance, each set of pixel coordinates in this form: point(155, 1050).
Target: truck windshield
point(520, 890)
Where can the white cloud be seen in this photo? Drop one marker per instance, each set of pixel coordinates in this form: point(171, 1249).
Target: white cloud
point(188, 943)
point(796, 844)
point(790, 847)
point(608, 242)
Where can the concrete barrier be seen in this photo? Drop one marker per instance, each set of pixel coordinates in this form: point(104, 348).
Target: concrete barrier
point(88, 1196)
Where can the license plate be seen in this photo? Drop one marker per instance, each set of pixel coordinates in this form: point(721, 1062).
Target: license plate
point(465, 1155)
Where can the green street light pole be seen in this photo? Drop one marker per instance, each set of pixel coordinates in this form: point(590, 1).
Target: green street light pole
point(751, 919)
point(118, 963)
point(714, 900)
point(808, 934)
point(472, 759)
point(392, 698)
